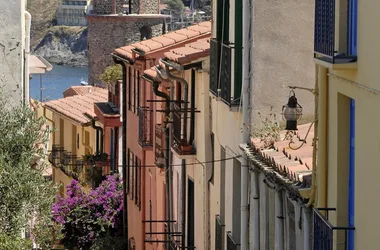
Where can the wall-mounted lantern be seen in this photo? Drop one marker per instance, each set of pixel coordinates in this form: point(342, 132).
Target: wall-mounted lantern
point(292, 112)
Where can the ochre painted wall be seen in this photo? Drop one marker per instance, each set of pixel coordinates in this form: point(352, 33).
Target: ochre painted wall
point(362, 85)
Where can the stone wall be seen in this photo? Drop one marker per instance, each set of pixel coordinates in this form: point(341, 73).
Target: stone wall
point(11, 49)
point(106, 33)
point(149, 7)
point(103, 7)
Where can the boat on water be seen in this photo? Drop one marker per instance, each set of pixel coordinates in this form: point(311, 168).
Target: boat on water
point(83, 82)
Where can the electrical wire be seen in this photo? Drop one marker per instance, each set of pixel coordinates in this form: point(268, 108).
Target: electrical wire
point(196, 163)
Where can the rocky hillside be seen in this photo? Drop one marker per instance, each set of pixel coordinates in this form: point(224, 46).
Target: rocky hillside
point(43, 17)
point(64, 45)
point(58, 44)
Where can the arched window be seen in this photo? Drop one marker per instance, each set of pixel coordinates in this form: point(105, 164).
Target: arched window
point(145, 33)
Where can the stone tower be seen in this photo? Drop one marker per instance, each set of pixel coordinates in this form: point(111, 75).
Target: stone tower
point(116, 23)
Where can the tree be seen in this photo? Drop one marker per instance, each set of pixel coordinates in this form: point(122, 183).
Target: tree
point(176, 6)
point(91, 220)
point(112, 74)
point(25, 194)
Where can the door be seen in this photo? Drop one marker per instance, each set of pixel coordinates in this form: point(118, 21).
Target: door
point(190, 218)
point(351, 177)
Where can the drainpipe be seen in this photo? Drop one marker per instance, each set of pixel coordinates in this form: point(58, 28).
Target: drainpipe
point(167, 162)
point(279, 219)
point(315, 139)
point(124, 146)
point(322, 138)
point(162, 76)
point(183, 163)
point(255, 210)
point(306, 227)
point(185, 85)
point(244, 218)
point(28, 21)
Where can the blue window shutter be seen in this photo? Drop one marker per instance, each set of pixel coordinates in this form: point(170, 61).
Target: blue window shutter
point(353, 27)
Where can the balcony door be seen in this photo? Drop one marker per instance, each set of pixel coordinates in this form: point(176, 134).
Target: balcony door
point(351, 177)
point(353, 29)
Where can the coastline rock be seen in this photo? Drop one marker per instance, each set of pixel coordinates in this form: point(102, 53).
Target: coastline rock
point(65, 45)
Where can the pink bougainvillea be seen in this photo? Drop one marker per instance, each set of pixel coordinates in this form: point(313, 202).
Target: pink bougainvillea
point(87, 216)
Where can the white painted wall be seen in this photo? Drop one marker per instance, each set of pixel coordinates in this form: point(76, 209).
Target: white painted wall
point(12, 28)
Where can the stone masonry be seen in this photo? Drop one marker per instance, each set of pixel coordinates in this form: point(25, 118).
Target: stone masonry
point(109, 29)
point(104, 7)
point(108, 32)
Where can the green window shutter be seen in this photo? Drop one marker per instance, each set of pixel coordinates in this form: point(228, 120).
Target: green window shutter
point(238, 49)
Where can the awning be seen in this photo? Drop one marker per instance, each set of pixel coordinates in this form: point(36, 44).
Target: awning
point(38, 65)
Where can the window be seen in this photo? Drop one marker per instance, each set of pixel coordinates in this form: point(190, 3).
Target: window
point(61, 132)
point(212, 157)
point(130, 88)
point(134, 178)
point(138, 89)
point(77, 141)
point(134, 92)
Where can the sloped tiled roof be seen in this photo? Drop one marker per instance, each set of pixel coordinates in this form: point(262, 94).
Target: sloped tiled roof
point(166, 40)
point(80, 90)
point(292, 165)
point(189, 52)
point(75, 107)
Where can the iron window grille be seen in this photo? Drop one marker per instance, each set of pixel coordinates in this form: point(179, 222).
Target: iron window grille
point(145, 130)
point(324, 231)
point(325, 34)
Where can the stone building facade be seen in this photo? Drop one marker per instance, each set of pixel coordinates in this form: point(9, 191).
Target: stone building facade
point(108, 29)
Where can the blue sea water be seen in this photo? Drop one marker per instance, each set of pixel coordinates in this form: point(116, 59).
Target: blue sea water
point(56, 81)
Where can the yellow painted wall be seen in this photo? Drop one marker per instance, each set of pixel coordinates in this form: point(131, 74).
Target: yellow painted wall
point(363, 86)
point(69, 133)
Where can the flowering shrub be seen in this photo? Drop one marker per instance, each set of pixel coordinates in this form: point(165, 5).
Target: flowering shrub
point(89, 217)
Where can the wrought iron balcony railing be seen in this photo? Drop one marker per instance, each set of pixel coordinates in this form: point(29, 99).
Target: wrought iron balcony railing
point(158, 147)
point(180, 144)
point(145, 127)
point(324, 232)
point(231, 244)
point(218, 233)
point(221, 74)
point(326, 35)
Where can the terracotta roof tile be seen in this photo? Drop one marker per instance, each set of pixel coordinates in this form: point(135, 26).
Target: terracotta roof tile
point(75, 107)
point(189, 52)
point(165, 40)
point(292, 164)
point(80, 90)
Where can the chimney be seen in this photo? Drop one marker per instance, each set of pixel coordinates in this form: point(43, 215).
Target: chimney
point(114, 7)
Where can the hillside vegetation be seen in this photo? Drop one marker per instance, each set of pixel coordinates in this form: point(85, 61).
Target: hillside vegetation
point(43, 17)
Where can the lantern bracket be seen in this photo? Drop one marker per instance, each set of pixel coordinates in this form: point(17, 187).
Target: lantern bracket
point(313, 91)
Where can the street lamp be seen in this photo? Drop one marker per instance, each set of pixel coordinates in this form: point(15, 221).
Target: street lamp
point(292, 112)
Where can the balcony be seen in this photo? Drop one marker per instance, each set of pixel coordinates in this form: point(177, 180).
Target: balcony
point(145, 127)
point(334, 36)
point(221, 74)
point(324, 232)
point(218, 233)
point(108, 114)
point(159, 157)
point(89, 170)
point(180, 144)
point(231, 244)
